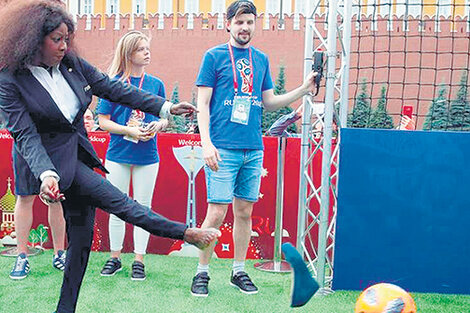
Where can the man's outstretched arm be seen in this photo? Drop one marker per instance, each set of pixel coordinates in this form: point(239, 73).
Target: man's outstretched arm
point(273, 102)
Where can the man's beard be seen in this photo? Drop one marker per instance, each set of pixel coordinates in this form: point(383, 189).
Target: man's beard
point(242, 42)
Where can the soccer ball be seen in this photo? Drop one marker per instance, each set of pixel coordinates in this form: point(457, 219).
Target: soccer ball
point(385, 298)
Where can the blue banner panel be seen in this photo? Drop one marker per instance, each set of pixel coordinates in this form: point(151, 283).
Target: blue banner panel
point(403, 210)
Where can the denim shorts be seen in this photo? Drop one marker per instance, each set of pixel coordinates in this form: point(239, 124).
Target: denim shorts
point(239, 175)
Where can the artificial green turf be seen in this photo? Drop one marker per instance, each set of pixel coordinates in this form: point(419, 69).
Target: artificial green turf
point(166, 289)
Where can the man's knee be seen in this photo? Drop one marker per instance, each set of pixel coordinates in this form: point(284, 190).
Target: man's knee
point(242, 209)
point(216, 214)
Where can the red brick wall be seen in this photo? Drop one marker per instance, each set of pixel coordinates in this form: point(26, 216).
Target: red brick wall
point(410, 64)
point(382, 57)
point(177, 53)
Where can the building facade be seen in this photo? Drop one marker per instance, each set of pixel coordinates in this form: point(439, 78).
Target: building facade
point(177, 6)
point(445, 8)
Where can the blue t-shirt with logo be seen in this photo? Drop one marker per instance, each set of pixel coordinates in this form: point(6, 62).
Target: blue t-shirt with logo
point(121, 150)
point(216, 71)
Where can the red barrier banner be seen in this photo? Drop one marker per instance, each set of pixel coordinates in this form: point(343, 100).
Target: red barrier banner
point(180, 161)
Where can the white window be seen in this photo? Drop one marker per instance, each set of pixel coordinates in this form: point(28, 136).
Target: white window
point(373, 13)
point(87, 7)
point(401, 7)
point(301, 7)
point(272, 7)
point(444, 8)
point(356, 11)
point(191, 6)
point(414, 8)
point(112, 7)
point(385, 8)
point(372, 8)
point(467, 14)
point(73, 8)
point(278, 6)
point(286, 6)
point(218, 6)
point(165, 6)
point(138, 7)
point(356, 15)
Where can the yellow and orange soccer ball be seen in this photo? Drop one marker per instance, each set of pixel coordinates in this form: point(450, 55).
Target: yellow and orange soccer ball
point(385, 298)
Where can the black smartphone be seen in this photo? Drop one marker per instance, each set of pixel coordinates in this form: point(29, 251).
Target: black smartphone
point(318, 66)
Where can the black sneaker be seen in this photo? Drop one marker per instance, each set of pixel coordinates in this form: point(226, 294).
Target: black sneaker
point(112, 266)
point(138, 271)
point(58, 260)
point(242, 281)
point(199, 287)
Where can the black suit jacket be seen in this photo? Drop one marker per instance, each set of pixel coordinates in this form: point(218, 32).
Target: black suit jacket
point(44, 138)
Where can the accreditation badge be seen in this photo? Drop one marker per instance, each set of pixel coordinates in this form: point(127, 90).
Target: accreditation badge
point(241, 110)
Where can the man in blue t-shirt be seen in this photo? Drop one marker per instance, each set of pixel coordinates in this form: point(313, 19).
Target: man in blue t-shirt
point(234, 85)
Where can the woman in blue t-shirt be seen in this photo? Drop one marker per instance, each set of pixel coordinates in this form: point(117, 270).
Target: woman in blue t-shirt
point(132, 150)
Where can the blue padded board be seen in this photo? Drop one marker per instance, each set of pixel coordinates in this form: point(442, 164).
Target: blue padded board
point(403, 210)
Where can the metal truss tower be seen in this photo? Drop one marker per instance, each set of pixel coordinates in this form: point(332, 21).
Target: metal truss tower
point(317, 199)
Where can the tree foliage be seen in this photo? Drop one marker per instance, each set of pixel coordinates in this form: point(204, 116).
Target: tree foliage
point(360, 116)
point(380, 118)
point(459, 113)
point(279, 88)
point(437, 117)
point(177, 123)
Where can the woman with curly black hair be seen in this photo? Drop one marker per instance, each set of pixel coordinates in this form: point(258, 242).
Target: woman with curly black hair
point(45, 88)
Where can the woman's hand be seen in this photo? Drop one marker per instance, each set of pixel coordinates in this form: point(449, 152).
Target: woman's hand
point(154, 127)
point(407, 123)
point(183, 108)
point(49, 191)
point(136, 132)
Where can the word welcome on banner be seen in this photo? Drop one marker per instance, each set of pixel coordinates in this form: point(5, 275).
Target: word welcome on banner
point(171, 195)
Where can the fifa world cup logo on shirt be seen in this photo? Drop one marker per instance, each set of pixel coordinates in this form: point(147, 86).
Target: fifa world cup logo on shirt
point(243, 66)
point(136, 118)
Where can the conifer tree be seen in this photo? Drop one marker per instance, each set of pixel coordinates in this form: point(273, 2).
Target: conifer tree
point(380, 117)
point(193, 118)
point(175, 93)
point(459, 117)
point(279, 88)
point(280, 85)
point(437, 117)
point(360, 115)
point(177, 123)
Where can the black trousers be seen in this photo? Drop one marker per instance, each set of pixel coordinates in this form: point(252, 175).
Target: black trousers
point(88, 191)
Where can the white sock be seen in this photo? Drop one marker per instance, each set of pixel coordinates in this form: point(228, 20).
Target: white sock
point(238, 267)
point(202, 268)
